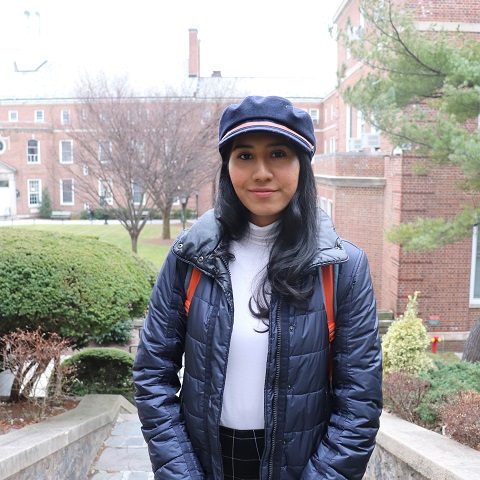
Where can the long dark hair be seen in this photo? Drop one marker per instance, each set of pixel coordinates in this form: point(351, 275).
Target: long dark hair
point(296, 237)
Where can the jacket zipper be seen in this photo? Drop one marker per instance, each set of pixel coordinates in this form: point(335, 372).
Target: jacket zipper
point(275, 391)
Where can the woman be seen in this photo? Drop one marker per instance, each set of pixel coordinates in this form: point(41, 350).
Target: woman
point(256, 400)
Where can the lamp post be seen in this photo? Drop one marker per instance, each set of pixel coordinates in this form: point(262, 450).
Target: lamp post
point(183, 201)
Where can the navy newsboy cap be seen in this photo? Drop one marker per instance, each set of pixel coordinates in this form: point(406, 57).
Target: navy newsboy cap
point(271, 114)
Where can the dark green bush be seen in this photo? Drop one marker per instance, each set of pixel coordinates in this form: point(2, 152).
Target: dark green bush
point(119, 333)
point(71, 285)
point(46, 206)
point(100, 370)
point(445, 382)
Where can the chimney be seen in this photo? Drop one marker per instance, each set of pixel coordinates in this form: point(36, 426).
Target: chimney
point(194, 53)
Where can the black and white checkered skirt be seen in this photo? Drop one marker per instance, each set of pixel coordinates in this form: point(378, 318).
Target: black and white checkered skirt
point(241, 453)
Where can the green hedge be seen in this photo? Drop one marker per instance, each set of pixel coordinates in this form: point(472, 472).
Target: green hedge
point(100, 370)
point(446, 380)
point(72, 285)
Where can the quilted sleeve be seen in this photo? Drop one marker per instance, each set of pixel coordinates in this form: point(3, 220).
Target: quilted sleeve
point(345, 449)
point(155, 373)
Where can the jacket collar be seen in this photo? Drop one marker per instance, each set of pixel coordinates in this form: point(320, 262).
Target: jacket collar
point(198, 244)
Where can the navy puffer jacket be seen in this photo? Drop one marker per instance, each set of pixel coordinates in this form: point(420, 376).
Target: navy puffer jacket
point(311, 432)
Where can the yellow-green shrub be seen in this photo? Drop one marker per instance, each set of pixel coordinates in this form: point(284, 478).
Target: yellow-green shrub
point(404, 345)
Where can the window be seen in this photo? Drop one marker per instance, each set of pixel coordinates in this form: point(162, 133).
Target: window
point(33, 151)
point(332, 144)
point(475, 270)
point(85, 169)
point(315, 115)
point(105, 192)
point(137, 193)
point(34, 193)
point(84, 114)
point(12, 116)
point(66, 191)
point(65, 117)
point(323, 203)
point(66, 151)
point(39, 116)
point(330, 208)
point(104, 151)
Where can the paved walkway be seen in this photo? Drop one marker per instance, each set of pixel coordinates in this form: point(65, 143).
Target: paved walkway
point(124, 454)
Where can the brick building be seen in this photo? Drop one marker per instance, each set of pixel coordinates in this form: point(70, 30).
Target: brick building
point(363, 183)
point(369, 186)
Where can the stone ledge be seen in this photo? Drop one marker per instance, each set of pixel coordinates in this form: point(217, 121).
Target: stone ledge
point(405, 449)
point(21, 450)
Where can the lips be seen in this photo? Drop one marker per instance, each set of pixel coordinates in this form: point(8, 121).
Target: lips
point(262, 192)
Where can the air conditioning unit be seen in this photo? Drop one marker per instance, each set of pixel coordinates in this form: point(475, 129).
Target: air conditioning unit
point(355, 144)
point(371, 140)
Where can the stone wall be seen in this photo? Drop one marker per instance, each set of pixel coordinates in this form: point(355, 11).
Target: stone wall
point(406, 451)
point(64, 446)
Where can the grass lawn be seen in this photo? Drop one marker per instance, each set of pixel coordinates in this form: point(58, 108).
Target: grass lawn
point(150, 244)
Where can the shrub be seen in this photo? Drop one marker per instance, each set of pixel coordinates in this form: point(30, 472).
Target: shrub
point(74, 286)
point(28, 355)
point(404, 345)
point(446, 380)
point(100, 370)
point(119, 333)
point(461, 417)
point(46, 206)
point(403, 393)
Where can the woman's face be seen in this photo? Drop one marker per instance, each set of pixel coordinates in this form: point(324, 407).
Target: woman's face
point(264, 171)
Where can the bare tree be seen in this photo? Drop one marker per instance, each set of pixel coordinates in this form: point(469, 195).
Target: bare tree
point(185, 143)
point(135, 154)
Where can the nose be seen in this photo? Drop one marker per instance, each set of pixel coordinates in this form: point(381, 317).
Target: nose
point(262, 170)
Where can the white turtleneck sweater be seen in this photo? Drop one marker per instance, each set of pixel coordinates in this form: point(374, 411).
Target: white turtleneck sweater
point(243, 397)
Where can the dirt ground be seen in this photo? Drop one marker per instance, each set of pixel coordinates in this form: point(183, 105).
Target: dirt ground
point(19, 415)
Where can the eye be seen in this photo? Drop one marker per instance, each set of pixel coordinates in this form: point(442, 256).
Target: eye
point(245, 156)
point(278, 154)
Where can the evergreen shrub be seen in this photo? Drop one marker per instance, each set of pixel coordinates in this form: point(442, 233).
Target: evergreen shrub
point(71, 285)
point(404, 345)
point(46, 206)
point(100, 370)
point(119, 333)
point(446, 381)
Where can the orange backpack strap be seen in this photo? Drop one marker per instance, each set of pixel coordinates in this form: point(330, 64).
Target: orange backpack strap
point(328, 276)
point(195, 275)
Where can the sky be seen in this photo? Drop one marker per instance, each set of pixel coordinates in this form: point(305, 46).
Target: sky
point(252, 38)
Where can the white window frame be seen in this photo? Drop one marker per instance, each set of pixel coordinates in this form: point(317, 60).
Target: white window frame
point(13, 116)
point(333, 144)
point(475, 269)
point(105, 188)
point(314, 115)
point(137, 190)
point(62, 151)
point(33, 158)
point(39, 116)
point(65, 117)
point(63, 191)
point(85, 169)
point(102, 146)
point(34, 190)
point(323, 203)
point(330, 208)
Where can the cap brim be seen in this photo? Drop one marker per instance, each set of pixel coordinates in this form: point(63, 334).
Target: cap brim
point(271, 127)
